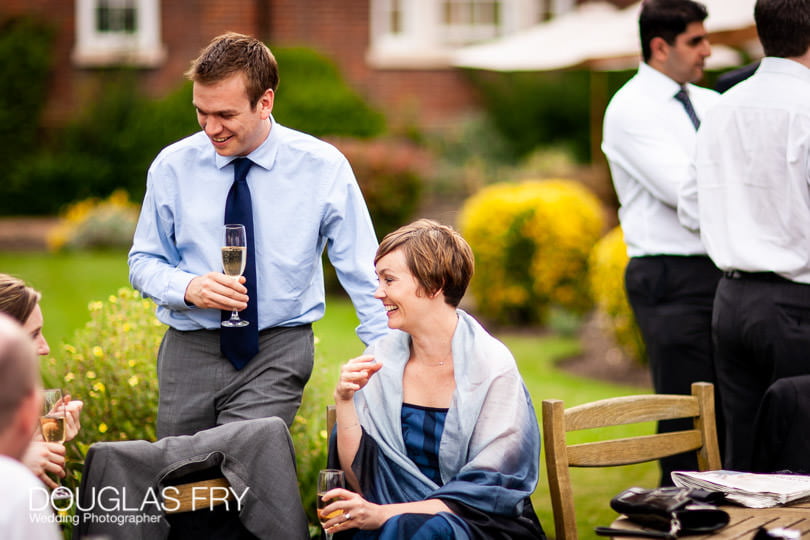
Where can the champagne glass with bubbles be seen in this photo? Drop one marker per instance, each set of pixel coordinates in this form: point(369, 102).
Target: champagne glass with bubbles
point(52, 425)
point(234, 257)
point(328, 479)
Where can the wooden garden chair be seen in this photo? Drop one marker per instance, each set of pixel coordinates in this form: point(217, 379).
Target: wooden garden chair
point(557, 421)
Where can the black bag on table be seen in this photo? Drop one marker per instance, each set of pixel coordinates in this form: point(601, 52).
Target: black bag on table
point(671, 511)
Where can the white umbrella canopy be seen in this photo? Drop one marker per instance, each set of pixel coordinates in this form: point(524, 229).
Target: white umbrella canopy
point(560, 43)
point(597, 35)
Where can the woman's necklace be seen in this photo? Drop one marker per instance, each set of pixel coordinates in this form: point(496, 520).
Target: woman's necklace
point(448, 358)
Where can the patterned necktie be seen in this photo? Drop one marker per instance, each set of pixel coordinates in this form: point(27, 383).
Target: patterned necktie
point(683, 97)
point(239, 345)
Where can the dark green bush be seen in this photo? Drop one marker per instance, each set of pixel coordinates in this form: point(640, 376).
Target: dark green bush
point(111, 143)
point(313, 97)
point(25, 61)
point(532, 109)
point(107, 147)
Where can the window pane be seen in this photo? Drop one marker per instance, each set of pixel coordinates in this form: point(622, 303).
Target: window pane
point(116, 16)
point(467, 21)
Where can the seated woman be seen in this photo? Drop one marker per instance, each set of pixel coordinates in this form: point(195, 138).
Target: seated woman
point(435, 431)
point(21, 302)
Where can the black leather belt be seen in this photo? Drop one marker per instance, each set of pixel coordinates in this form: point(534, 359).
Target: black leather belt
point(756, 276)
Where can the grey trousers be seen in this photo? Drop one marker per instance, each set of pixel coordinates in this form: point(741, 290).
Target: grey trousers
point(200, 389)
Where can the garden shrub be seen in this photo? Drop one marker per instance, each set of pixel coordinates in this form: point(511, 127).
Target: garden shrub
point(313, 97)
point(607, 263)
point(112, 366)
point(531, 242)
point(532, 109)
point(110, 144)
point(25, 61)
point(94, 223)
point(391, 176)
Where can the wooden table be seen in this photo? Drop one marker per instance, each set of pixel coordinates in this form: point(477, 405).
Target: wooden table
point(744, 522)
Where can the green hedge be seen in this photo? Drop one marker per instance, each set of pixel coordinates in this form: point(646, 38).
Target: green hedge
point(25, 62)
point(313, 97)
point(110, 144)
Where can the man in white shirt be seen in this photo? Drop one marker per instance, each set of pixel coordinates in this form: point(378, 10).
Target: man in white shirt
point(24, 507)
point(649, 137)
point(750, 198)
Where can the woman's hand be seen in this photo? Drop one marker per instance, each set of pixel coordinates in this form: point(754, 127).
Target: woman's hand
point(354, 375)
point(44, 457)
point(355, 512)
point(73, 409)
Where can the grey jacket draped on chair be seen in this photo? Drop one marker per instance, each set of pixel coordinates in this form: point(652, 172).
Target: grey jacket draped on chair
point(125, 485)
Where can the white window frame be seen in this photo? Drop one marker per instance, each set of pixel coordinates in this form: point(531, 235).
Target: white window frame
point(424, 42)
point(142, 48)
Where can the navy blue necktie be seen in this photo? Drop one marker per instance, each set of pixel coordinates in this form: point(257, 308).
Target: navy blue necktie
point(239, 345)
point(683, 97)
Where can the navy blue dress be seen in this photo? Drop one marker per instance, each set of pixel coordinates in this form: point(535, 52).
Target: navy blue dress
point(422, 429)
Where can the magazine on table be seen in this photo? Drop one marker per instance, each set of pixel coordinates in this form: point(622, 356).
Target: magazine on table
point(754, 490)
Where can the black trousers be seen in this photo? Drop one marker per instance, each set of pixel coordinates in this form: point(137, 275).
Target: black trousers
point(672, 299)
point(781, 436)
point(761, 330)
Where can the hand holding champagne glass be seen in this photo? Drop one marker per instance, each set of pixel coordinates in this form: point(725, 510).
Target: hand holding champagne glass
point(234, 257)
point(328, 479)
point(52, 419)
point(52, 425)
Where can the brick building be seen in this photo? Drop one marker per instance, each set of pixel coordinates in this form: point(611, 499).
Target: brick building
point(394, 52)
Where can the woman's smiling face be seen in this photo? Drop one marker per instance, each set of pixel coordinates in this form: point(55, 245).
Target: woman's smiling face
point(406, 304)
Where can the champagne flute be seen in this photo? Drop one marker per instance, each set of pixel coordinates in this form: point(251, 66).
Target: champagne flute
point(234, 257)
point(328, 479)
point(52, 425)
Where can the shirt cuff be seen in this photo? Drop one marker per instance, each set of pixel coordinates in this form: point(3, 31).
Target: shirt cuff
point(176, 291)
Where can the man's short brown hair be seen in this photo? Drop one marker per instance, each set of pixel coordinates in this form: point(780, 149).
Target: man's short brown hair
point(232, 53)
point(437, 256)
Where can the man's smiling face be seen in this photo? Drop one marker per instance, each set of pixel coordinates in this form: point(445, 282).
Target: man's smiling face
point(224, 113)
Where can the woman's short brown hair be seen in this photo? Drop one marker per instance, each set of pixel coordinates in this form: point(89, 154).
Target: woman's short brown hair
point(233, 53)
point(16, 298)
point(437, 256)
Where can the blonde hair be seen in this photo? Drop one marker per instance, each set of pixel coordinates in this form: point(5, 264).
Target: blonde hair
point(437, 256)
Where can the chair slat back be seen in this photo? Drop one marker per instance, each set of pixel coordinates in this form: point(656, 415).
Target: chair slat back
point(630, 410)
point(557, 421)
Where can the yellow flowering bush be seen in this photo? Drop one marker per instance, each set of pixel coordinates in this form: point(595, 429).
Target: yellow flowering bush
point(607, 263)
point(531, 242)
point(94, 223)
point(110, 365)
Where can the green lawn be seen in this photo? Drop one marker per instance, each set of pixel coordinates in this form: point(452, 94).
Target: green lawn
point(70, 281)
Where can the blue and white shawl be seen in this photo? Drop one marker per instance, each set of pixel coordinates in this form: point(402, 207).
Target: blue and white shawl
point(490, 449)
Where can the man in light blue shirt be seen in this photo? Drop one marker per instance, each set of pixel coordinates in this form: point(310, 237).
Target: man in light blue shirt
point(304, 198)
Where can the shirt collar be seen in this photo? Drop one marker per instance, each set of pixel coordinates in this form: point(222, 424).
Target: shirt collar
point(657, 84)
point(263, 156)
point(773, 64)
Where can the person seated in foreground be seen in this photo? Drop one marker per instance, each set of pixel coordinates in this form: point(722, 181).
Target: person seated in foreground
point(21, 302)
point(436, 431)
point(24, 510)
